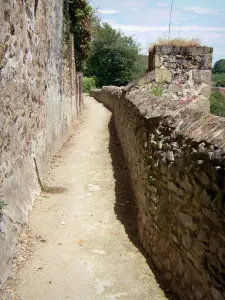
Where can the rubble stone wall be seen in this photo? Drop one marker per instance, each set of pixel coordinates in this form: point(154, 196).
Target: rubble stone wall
point(181, 74)
point(176, 159)
point(37, 107)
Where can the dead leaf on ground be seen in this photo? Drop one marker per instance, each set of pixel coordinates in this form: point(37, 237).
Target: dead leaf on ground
point(80, 242)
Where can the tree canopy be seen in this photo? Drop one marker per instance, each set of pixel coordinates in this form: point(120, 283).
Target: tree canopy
point(114, 58)
point(220, 82)
point(219, 66)
point(217, 104)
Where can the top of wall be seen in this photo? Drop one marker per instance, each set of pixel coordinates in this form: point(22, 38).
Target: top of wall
point(186, 120)
point(174, 50)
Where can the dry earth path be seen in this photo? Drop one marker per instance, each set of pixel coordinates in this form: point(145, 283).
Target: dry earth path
point(89, 248)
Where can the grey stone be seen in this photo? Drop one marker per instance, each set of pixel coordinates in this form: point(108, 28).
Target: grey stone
point(170, 65)
point(170, 156)
point(202, 177)
point(186, 239)
point(158, 62)
point(204, 198)
point(163, 76)
point(202, 76)
point(217, 295)
point(187, 221)
point(160, 145)
point(185, 184)
point(174, 145)
point(175, 88)
point(176, 189)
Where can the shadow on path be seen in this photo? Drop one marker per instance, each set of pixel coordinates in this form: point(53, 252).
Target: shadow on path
point(125, 204)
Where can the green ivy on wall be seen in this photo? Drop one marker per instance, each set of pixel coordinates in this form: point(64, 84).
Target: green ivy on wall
point(77, 21)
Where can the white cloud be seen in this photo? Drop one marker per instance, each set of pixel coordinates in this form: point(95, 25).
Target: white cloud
point(161, 4)
point(108, 11)
point(133, 4)
point(159, 11)
point(193, 28)
point(135, 9)
point(202, 11)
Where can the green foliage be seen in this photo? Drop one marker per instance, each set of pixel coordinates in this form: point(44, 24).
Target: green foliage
point(88, 84)
point(217, 77)
point(219, 66)
point(2, 205)
point(218, 80)
point(77, 20)
point(114, 58)
point(157, 89)
point(217, 104)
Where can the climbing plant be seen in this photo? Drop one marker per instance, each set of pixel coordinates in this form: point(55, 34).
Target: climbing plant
point(77, 21)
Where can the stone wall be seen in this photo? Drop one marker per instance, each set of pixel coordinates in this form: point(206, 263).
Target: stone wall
point(37, 107)
point(181, 74)
point(176, 159)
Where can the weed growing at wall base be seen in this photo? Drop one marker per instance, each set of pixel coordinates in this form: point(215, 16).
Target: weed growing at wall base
point(157, 89)
point(2, 205)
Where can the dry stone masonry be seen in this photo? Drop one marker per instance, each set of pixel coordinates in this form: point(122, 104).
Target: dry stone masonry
point(176, 157)
point(181, 74)
point(37, 107)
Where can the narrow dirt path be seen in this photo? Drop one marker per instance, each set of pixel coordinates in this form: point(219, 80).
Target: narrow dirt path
point(89, 247)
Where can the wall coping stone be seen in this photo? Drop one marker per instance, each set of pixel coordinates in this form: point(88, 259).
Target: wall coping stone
point(166, 50)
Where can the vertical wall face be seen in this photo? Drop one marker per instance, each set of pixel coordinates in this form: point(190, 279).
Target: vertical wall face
point(184, 72)
point(176, 159)
point(37, 107)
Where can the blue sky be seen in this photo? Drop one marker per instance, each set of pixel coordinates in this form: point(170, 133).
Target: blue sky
point(148, 20)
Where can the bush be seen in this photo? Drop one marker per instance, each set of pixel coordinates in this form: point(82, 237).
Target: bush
point(114, 58)
point(217, 104)
point(88, 84)
point(218, 80)
point(219, 66)
point(220, 83)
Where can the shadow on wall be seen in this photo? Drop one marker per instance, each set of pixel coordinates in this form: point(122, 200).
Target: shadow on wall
point(125, 201)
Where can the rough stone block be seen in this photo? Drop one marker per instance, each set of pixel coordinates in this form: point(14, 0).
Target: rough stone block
point(170, 65)
point(158, 62)
point(163, 75)
point(202, 76)
point(175, 88)
point(217, 295)
point(187, 221)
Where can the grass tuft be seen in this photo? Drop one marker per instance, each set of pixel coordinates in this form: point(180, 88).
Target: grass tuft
point(193, 42)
